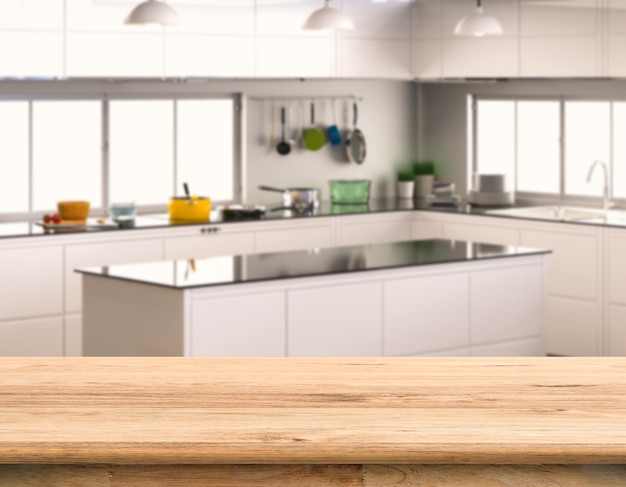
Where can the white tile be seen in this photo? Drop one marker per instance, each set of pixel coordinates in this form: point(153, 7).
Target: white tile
point(375, 58)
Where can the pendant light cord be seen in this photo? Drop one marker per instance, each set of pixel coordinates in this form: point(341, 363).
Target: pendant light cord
point(479, 3)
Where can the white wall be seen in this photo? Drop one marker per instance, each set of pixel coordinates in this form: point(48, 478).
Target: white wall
point(387, 117)
point(443, 117)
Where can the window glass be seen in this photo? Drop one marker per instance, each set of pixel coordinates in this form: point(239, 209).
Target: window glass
point(619, 150)
point(67, 152)
point(205, 147)
point(14, 157)
point(141, 151)
point(587, 138)
point(496, 139)
point(538, 146)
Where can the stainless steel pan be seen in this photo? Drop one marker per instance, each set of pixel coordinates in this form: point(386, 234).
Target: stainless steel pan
point(300, 199)
point(356, 147)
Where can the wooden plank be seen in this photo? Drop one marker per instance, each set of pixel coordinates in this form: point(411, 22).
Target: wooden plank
point(313, 411)
point(238, 475)
point(54, 475)
point(495, 475)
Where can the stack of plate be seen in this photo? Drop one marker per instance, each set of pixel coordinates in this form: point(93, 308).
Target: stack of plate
point(490, 190)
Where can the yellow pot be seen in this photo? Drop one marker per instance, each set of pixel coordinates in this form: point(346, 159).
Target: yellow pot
point(192, 209)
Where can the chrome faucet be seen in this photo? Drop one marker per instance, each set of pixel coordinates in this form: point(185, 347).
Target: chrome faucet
point(606, 204)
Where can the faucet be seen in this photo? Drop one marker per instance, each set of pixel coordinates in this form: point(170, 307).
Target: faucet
point(605, 202)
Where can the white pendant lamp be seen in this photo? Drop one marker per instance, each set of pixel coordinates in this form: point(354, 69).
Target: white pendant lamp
point(152, 12)
point(478, 24)
point(328, 17)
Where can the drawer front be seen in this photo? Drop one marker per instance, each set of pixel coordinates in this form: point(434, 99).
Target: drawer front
point(31, 282)
point(296, 239)
point(42, 337)
point(198, 247)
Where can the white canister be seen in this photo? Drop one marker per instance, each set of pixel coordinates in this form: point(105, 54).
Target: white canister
point(405, 189)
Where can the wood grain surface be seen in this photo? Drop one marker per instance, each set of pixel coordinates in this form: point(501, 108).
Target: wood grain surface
point(314, 475)
point(389, 411)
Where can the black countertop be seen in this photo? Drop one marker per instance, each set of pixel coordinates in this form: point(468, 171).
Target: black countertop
point(378, 205)
point(221, 271)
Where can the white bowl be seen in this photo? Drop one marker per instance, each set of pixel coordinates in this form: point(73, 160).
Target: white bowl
point(491, 183)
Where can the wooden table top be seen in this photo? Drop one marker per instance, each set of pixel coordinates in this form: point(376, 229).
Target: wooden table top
point(313, 411)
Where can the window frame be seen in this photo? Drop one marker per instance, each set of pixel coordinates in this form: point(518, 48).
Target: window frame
point(537, 197)
point(101, 208)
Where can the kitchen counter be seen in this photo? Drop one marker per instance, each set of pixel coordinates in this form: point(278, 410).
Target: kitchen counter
point(378, 300)
point(313, 421)
point(242, 269)
point(379, 205)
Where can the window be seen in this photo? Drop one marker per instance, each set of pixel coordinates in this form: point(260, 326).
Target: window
point(546, 147)
point(116, 150)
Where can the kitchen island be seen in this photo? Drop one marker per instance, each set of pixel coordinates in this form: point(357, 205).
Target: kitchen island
point(121, 422)
point(423, 297)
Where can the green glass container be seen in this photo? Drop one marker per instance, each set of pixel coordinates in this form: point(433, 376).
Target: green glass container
point(349, 191)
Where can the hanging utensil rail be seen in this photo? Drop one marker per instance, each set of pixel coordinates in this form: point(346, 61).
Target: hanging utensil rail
point(286, 99)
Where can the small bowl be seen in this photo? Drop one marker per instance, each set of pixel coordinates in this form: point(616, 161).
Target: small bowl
point(73, 210)
point(122, 212)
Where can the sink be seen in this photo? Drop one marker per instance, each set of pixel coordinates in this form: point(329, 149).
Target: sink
point(564, 213)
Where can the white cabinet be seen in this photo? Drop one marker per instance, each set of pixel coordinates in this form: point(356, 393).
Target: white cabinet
point(574, 265)
point(474, 232)
point(560, 38)
point(37, 337)
point(573, 326)
point(31, 282)
point(419, 318)
point(424, 229)
point(574, 304)
point(507, 304)
point(371, 229)
point(616, 330)
point(209, 244)
point(103, 254)
point(616, 295)
point(294, 237)
point(380, 45)
point(314, 315)
point(239, 326)
point(73, 326)
point(519, 348)
point(480, 57)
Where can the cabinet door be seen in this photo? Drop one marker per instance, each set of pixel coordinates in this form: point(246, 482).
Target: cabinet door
point(480, 57)
point(293, 239)
point(251, 325)
point(422, 230)
point(209, 245)
point(369, 231)
point(507, 304)
point(418, 316)
point(31, 282)
point(480, 233)
point(617, 269)
point(617, 331)
point(73, 335)
point(573, 265)
point(559, 38)
point(102, 254)
point(573, 327)
point(534, 347)
point(336, 321)
point(41, 337)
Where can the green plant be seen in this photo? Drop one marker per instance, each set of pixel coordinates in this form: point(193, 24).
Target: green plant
point(424, 168)
point(405, 176)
